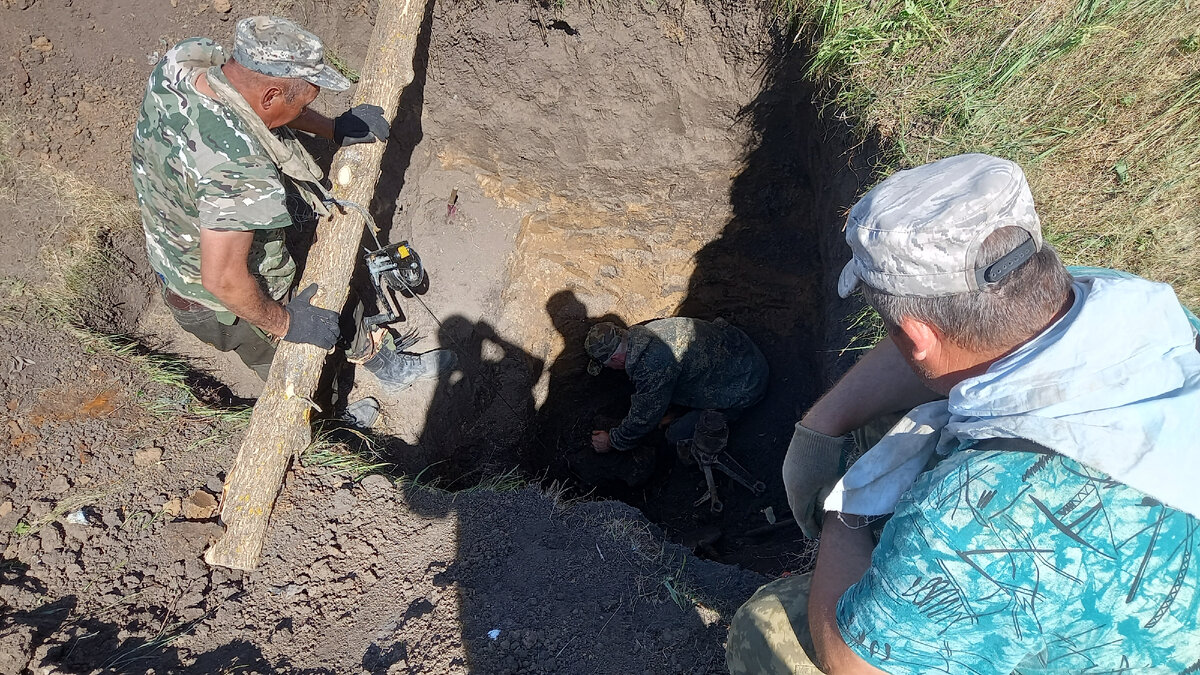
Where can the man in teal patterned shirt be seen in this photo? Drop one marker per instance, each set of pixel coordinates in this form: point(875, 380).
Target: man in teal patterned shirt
point(1038, 504)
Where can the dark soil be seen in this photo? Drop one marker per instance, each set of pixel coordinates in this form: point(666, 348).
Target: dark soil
point(102, 571)
point(626, 161)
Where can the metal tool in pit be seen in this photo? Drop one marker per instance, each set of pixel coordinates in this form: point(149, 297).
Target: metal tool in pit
point(395, 268)
point(707, 448)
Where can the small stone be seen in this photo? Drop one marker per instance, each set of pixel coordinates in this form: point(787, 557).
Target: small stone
point(376, 484)
point(215, 484)
point(59, 485)
point(194, 569)
point(173, 507)
point(6, 508)
point(42, 44)
point(222, 6)
point(199, 505)
point(147, 456)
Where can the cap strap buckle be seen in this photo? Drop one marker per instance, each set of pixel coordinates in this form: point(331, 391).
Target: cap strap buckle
point(1003, 267)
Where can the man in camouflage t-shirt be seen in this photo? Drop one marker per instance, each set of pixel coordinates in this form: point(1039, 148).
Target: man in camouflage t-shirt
point(214, 157)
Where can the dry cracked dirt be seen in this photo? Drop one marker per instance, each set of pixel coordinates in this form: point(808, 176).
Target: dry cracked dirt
point(624, 160)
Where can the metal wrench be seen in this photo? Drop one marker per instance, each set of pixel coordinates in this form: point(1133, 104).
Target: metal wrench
point(711, 497)
point(737, 472)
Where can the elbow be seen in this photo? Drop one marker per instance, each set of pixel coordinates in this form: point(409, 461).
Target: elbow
point(220, 285)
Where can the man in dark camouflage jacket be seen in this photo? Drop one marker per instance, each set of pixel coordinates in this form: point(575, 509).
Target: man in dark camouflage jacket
point(693, 363)
point(214, 155)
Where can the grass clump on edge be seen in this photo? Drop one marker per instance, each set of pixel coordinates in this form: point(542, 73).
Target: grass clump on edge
point(1098, 100)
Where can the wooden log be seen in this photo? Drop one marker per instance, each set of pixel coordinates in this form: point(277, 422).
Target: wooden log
point(279, 427)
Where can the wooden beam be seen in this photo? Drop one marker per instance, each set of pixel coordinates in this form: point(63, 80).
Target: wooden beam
point(279, 428)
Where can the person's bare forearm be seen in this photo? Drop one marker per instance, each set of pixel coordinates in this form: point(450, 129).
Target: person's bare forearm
point(314, 123)
point(249, 303)
point(843, 558)
point(880, 383)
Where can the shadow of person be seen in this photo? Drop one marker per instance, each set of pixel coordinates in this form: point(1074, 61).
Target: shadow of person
point(767, 274)
point(477, 421)
point(577, 404)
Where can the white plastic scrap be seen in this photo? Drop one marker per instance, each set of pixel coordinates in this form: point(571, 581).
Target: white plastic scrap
point(77, 518)
point(494, 633)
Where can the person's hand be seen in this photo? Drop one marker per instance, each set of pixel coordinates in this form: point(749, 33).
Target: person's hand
point(364, 123)
point(310, 324)
point(813, 464)
point(600, 442)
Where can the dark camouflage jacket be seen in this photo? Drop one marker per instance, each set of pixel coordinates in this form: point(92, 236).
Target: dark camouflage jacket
point(688, 362)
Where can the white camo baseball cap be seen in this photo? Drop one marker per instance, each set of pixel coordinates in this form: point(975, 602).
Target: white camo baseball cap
point(918, 232)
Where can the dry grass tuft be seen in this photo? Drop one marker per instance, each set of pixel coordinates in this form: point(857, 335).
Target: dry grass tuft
point(1099, 100)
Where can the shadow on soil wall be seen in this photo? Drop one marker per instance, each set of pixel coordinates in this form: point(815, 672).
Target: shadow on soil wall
point(772, 272)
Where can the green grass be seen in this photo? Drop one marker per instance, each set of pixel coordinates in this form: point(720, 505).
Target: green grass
point(166, 370)
point(342, 459)
point(339, 64)
point(1099, 101)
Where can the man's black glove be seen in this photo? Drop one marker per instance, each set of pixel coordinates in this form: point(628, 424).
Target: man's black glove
point(364, 123)
point(311, 325)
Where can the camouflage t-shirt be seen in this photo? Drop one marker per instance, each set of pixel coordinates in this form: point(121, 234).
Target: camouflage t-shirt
point(195, 166)
point(688, 362)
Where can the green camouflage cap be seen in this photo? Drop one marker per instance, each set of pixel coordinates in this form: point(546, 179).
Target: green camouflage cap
point(274, 46)
point(601, 343)
point(918, 233)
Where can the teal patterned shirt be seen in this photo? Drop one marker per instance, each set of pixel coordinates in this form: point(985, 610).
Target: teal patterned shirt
point(999, 562)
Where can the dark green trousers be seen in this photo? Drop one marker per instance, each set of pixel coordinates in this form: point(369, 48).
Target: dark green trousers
point(253, 346)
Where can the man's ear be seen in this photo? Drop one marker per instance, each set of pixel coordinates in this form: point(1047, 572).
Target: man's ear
point(270, 97)
point(923, 339)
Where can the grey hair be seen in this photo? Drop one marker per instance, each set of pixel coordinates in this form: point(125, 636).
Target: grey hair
point(1003, 314)
point(292, 88)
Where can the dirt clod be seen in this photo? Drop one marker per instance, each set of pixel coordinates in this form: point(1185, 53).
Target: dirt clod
point(147, 456)
point(199, 505)
point(42, 44)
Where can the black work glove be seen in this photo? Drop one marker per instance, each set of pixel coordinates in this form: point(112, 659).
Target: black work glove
point(364, 123)
point(309, 324)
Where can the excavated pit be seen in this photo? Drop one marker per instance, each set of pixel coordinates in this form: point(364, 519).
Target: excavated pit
point(627, 165)
point(622, 163)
